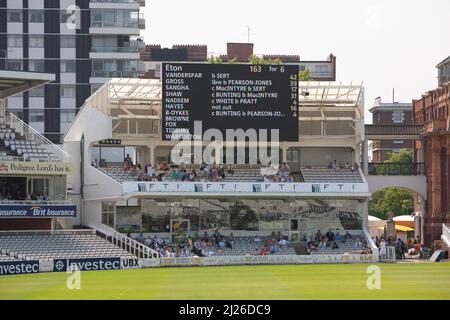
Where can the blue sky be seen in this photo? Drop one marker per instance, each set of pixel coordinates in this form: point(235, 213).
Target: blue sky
point(384, 43)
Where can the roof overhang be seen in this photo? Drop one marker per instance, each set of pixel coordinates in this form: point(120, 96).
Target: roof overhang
point(14, 82)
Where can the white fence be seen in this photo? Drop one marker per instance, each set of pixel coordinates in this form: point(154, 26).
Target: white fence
point(446, 234)
point(258, 260)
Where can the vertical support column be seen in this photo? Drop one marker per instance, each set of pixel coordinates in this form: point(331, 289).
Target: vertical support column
point(2, 111)
point(365, 215)
point(364, 156)
point(284, 149)
point(151, 156)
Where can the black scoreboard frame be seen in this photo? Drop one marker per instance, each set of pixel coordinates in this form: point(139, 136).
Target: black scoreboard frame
point(199, 101)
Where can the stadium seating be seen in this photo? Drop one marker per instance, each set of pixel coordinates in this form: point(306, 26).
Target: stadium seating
point(15, 147)
point(247, 245)
point(344, 247)
point(58, 246)
point(242, 173)
point(117, 173)
point(7, 258)
point(325, 175)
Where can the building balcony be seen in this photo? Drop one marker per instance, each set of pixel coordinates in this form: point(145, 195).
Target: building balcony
point(109, 28)
point(141, 2)
point(436, 125)
point(141, 22)
point(116, 74)
point(131, 53)
point(116, 4)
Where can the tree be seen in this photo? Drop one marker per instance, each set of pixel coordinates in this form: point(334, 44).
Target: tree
point(401, 163)
point(305, 75)
point(214, 60)
point(392, 199)
point(254, 59)
point(404, 156)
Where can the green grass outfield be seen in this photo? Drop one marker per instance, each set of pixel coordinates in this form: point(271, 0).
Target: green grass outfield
point(398, 281)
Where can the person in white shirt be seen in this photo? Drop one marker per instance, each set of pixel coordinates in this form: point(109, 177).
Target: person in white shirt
point(150, 170)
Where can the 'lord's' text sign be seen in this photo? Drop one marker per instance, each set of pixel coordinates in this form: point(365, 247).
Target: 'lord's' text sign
point(44, 168)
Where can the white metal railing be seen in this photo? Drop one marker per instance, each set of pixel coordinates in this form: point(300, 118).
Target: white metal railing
point(265, 260)
point(128, 244)
point(390, 255)
point(31, 134)
point(446, 234)
point(46, 232)
point(39, 202)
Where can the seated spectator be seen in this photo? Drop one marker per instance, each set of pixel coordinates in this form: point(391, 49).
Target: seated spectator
point(318, 235)
point(334, 246)
point(323, 244)
point(337, 236)
point(330, 235)
point(347, 235)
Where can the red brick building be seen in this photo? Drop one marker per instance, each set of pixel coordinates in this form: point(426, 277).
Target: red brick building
point(390, 113)
point(433, 111)
point(154, 55)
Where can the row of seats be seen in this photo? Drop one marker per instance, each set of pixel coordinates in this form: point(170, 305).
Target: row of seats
point(7, 258)
point(324, 175)
point(239, 175)
point(47, 247)
point(21, 149)
point(348, 246)
point(246, 245)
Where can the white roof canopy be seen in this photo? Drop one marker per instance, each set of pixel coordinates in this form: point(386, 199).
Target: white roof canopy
point(14, 82)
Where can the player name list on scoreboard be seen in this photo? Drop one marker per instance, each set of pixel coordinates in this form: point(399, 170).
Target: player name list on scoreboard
point(229, 96)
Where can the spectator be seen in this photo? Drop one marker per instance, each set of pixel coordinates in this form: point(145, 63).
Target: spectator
point(334, 246)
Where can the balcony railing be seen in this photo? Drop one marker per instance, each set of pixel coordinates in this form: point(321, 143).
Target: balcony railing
point(396, 169)
point(115, 49)
point(435, 125)
point(116, 74)
point(119, 1)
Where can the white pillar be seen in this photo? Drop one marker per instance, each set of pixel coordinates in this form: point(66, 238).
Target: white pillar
point(365, 156)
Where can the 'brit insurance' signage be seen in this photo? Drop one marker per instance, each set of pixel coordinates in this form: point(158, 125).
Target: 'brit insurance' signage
point(37, 211)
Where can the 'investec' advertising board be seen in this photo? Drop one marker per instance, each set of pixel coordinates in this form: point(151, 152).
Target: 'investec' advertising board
point(38, 211)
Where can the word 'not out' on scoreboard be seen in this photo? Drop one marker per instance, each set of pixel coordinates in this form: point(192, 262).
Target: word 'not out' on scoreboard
point(229, 96)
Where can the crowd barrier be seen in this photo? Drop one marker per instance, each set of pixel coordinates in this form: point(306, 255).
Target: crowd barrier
point(64, 265)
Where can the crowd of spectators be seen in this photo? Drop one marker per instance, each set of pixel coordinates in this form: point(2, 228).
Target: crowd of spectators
point(332, 240)
point(412, 247)
point(340, 166)
point(17, 192)
point(208, 244)
point(281, 174)
point(164, 172)
point(275, 243)
point(206, 172)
